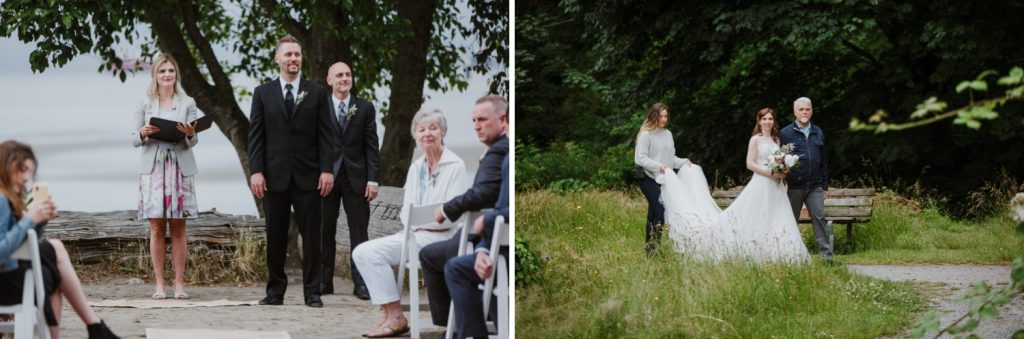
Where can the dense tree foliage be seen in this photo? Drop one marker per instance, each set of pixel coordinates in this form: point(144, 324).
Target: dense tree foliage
point(588, 70)
point(403, 45)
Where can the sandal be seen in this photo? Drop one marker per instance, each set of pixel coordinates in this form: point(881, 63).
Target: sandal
point(394, 330)
point(382, 322)
point(159, 296)
point(181, 296)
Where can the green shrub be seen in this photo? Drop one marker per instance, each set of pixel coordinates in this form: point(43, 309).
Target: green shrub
point(571, 166)
point(529, 266)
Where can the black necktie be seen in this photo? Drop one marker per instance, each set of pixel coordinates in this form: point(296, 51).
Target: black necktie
point(289, 100)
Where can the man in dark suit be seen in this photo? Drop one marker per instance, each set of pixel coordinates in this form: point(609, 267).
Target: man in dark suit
point(290, 160)
point(490, 120)
point(356, 164)
point(463, 274)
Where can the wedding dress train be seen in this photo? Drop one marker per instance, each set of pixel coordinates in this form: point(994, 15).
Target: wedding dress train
point(758, 225)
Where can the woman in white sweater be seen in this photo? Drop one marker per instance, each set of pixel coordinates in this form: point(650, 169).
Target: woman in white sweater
point(438, 176)
point(655, 151)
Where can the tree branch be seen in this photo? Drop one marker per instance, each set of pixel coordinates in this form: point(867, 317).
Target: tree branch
point(291, 25)
point(943, 116)
point(171, 42)
point(861, 52)
point(188, 13)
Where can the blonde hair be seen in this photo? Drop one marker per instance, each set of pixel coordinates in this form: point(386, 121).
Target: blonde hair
point(284, 40)
point(154, 89)
point(653, 117)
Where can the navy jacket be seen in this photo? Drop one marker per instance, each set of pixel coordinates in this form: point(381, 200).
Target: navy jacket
point(500, 208)
point(812, 172)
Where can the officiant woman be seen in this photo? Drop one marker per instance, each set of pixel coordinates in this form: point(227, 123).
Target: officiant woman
point(167, 171)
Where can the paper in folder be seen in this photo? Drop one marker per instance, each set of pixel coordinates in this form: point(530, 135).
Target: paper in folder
point(169, 131)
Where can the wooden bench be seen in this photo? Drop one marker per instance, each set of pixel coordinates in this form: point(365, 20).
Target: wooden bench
point(843, 205)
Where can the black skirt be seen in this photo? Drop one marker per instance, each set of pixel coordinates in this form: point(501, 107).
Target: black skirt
point(11, 282)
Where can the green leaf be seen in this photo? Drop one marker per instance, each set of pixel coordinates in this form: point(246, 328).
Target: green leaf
point(1019, 334)
point(982, 112)
point(973, 124)
point(988, 311)
point(962, 86)
point(971, 324)
point(1015, 77)
point(1017, 272)
point(986, 73)
point(979, 85)
point(123, 76)
point(931, 105)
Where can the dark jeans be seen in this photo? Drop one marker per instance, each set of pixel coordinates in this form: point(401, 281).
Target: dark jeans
point(655, 211)
point(433, 258)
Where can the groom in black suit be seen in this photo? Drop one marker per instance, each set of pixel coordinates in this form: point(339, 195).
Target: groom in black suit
point(290, 159)
point(356, 165)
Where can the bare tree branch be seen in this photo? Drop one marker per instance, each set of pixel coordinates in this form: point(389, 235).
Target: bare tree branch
point(220, 79)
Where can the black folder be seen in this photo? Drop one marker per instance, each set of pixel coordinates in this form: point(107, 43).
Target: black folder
point(169, 131)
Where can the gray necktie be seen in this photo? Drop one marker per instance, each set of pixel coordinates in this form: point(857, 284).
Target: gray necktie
point(342, 117)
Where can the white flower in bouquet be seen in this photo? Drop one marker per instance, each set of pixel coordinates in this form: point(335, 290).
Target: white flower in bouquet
point(790, 160)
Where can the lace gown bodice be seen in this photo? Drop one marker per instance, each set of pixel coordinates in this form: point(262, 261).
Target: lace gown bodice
point(765, 148)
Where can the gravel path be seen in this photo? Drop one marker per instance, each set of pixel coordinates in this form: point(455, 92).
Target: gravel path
point(343, 315)
point(952, 281)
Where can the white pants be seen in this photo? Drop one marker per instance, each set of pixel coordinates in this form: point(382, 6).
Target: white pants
point(374, 259)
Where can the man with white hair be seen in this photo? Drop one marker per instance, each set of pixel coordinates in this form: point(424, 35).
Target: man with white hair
point(808, 182)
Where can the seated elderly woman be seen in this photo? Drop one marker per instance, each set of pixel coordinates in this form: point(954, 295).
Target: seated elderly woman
point(17, 166)
point(436, 177)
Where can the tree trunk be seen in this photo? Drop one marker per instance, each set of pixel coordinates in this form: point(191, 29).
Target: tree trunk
point(409, 73)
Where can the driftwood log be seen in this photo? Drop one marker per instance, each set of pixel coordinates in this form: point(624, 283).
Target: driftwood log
point(95, 236)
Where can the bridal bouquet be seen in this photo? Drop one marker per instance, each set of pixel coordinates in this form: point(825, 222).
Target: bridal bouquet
point(781, 161)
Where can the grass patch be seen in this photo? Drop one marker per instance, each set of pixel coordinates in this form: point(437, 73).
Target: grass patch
point(903, 231)
point(599, 283)
point(243, 263)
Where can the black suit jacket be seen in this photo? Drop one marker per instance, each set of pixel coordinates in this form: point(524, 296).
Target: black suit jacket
point(486, 183)
point(284, 145)
point(356, 147)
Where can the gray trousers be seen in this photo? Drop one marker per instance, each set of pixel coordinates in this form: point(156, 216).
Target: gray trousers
point(815, 201)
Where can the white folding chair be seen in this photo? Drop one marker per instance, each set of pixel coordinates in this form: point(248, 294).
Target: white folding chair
point(28, 314)
point(500, 238)
point(418, 216)
point(465, 247)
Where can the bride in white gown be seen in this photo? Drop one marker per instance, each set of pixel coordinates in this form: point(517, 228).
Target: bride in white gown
point(758, 225)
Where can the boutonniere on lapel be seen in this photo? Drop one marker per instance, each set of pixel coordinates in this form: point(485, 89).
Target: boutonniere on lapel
point(298, 98)
point(351, 111)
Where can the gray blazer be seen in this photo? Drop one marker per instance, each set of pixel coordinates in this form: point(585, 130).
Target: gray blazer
point(187, 111)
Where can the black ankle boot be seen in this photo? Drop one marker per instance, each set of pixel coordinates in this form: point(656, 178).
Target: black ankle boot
point(100, 331)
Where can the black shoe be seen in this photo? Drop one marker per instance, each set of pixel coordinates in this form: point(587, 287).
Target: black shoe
point(326, 289)
point(313, 300)
point(361, 292)
point(100, 331)
point(650, 248)
point(272, 300)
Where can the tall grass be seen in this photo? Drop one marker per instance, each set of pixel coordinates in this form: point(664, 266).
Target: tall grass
point(599, 283)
